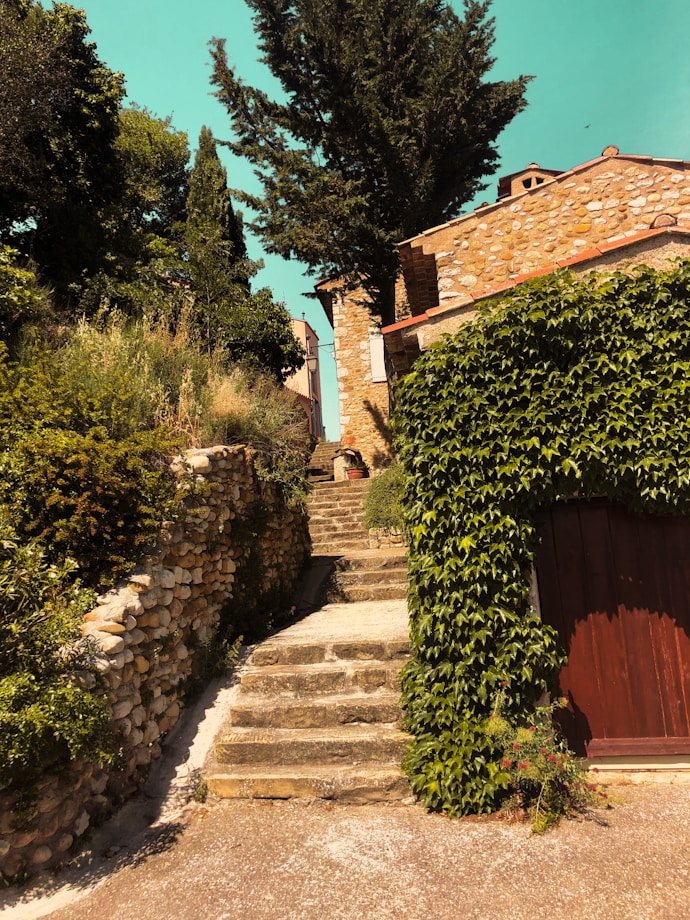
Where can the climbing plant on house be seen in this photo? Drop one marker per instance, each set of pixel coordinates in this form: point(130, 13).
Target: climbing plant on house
point(567, 387)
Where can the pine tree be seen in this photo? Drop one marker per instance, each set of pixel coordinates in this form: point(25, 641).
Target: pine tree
point(388, 128)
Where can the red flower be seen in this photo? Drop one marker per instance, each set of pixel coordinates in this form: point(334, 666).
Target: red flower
point(516, 746)
point(506, 762)
point(533, 728)
point(523, 765)
point(542, 750)
point(552, 758)
point(504, 683)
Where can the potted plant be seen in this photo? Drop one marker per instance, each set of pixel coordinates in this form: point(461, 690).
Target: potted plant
point(355, 467)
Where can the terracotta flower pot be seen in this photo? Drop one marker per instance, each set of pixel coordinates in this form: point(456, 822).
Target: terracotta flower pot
point(355, 472)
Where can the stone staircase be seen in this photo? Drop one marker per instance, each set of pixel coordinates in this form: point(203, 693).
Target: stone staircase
point(321, 461)
point(315, 711)
point(359, 573)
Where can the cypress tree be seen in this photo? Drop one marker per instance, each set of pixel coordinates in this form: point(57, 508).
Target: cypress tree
point(254, 330)
point(214, 236)
point(387, 128)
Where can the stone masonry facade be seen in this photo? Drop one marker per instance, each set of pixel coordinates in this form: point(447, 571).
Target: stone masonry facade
point(364, 403)
point(611, 213)
point(145, 634)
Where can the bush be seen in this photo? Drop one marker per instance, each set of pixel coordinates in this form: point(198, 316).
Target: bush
point(383, 502)
point(88, 423)
point(176, 381)
point(544, 777)
point(21, 298)
point(44, 717)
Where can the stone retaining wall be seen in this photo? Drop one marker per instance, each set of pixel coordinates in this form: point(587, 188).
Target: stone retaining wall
point(239, 538)
point(385, 538)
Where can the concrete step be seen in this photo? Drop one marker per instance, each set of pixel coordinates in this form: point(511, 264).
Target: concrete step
point(345, 505)
point(316, 711)
point(348, 744)
point(255, 711)
point(333, 533)
point(336, 525)
point(339, 547)
point(355, 785)
point(343, 485)
point(352, 594)
point(347, 650)
point(381, 576)
point(316, 680)
point(373, 560)
point(335, 510)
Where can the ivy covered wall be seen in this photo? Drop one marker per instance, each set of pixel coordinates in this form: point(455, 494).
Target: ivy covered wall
point(566, 387)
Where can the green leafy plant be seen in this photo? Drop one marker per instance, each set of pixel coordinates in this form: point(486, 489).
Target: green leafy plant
point(45, 718)
point(545, 779)
point(382, 505)
point(565, 387)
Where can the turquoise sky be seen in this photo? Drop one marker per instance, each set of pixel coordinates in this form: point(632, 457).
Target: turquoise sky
point(606, 72)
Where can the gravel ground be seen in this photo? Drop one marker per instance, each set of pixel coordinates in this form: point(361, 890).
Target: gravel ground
point(311, 860)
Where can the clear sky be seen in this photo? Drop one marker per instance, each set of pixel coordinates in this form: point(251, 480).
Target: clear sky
point(606, 72)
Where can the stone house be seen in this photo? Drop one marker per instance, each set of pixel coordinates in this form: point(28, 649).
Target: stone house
point(612, 212)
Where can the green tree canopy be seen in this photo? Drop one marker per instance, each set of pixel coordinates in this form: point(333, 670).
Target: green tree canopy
point(387, 127)
point(142, 264)
point(58, 122)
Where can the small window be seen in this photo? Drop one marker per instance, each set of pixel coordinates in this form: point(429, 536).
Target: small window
point(378, 362)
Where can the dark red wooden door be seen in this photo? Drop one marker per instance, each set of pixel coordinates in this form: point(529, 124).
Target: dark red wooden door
point(617, 589)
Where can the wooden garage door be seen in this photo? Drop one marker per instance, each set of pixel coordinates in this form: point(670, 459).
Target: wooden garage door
point(617, 589)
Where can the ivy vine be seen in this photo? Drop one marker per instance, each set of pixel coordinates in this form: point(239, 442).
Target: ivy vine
point(567, 387)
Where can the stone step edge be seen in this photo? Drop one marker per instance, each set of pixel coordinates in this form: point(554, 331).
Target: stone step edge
point(252, 710)
point(336, 745)
point(371, 577)
point(252, 701)
point(340, 652)
point(356, 731)
point(350, 785)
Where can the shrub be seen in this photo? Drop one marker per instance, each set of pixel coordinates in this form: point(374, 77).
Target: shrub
point(92, 499)
point(88, 422)
point(382, 505)
point(21, 298)
point(546, 780)
point(177, 382)
point(44, 717)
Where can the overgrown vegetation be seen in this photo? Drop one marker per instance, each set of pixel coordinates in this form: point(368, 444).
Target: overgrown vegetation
point(44, 717)
point(89, 419)
point(383, 505)
point(565, 387)
point(544, 779)
point(128, 330)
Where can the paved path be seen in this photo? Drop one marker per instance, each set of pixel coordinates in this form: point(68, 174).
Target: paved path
point(166, 857)
point(309, 861)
